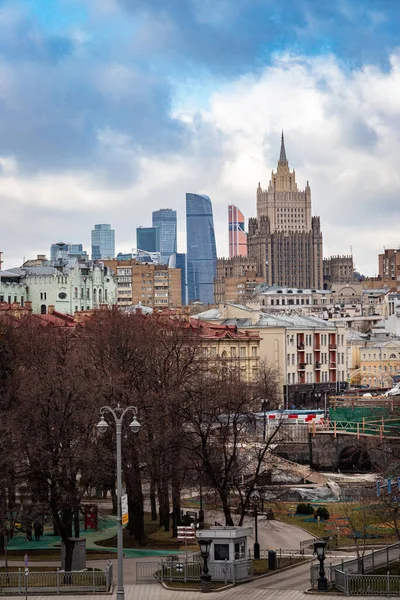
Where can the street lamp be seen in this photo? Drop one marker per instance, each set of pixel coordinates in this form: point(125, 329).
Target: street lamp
point(205, 577)
point(102, 426)
point(319, 550)
point(264, 408)
point(255, 496)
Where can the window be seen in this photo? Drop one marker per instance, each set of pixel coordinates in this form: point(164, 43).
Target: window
point(242, 351)
point(239, 550)
point(288, 359)
point(233, 352)
point(213, 351)
point(254, 351)
point(221, 551)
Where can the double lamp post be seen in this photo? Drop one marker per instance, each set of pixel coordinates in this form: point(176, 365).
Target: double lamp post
point(118, 414)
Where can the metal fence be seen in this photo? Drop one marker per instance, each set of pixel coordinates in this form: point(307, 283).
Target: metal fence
point(56, 582)
point(191, 570)
point(355, 577)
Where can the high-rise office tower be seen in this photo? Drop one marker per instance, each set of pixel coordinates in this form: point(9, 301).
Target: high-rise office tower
point(103, 242)
point(165, 220)
point(237, 234)
point(285, 240)
point(178, 261)
point(201, 248)
point(148, 238)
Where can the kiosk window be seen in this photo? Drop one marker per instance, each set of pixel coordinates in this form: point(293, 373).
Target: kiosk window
point(221, 551)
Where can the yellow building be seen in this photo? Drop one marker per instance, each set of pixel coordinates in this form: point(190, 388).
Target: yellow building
point(379, 363)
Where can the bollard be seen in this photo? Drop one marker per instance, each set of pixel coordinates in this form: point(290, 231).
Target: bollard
point(271, 560)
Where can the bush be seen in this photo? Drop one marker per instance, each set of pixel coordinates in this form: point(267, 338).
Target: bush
point(304, 509)
point(322, 513)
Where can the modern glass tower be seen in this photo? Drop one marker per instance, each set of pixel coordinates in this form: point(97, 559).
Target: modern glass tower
point(103, 242)
point(178, 261)
point(237, 235)
point(201, 248)
point(148, 238)
point(165, 220)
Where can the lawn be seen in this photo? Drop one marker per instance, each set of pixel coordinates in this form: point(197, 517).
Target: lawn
point(156, 536)
point(346, 521)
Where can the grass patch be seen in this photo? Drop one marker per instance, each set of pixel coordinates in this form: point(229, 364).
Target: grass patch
point(47, 554)
point(393, 568)
point(156, 538)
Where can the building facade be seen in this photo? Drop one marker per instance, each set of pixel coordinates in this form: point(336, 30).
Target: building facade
point(68, 287)
point(285, 239)
point(308, 353)
point(338, 269)
point(165, 220)
point(148, 239)
point(379, 363)
point(237, 234)
point(236, 280)
point(389, 265)
point(201, 253)
point(103, 242)
point(151, 285)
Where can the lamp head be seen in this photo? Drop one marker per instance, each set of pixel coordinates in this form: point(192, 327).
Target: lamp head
point(102, 425)
point(134, 425)
point(319, 550)
point(205, 544)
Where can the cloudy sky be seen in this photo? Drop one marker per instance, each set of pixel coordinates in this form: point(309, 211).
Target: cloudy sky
point(110, 109)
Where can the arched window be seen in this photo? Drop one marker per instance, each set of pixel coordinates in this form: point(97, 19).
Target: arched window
point(392, 356)
point(43, 309)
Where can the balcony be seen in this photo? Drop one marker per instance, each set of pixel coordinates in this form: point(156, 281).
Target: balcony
point(332, 346)
point(332, 365)
point(301, 366)
point(300, 346)
point(317, 366)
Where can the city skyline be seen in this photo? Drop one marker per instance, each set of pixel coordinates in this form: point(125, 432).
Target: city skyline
point(125, 140)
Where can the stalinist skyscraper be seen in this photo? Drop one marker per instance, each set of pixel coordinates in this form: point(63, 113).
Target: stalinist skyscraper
point(285, 240)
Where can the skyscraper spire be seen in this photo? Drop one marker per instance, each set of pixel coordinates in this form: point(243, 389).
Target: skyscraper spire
point(282, 157)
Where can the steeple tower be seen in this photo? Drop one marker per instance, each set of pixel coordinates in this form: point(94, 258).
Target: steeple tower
point(282, 157)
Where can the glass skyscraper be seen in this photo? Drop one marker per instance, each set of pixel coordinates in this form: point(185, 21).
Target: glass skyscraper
point(178, 261)
point(148, 238)
point(103, 242)
point(201, 248)
point(60, 249)
point(165, 220)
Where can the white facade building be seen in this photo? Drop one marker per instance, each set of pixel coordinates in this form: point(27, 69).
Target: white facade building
point(68, 286)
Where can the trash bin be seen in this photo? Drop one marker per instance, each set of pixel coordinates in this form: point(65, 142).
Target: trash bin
point(271, 560)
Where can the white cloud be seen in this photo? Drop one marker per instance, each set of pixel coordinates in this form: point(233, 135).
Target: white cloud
point(342, 134)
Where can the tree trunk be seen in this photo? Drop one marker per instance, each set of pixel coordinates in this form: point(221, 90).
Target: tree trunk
point(165, 497)
point(153, 502)
point(226, 509)
point(176, 506)
point(76, 523)
point(135, 500)
point(114, 500)
point(69, 544)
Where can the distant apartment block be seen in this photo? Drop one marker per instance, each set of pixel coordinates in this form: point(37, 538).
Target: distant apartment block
point(338, 269)
point(236, 279)
point(237, 234)
point(64, 250)
point(155, 286)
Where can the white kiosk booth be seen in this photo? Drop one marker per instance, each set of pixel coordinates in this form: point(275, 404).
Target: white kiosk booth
point(228, 559)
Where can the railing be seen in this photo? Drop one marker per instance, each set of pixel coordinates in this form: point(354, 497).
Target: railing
point(191, 570)
point(353, 577)
point(56, 581)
